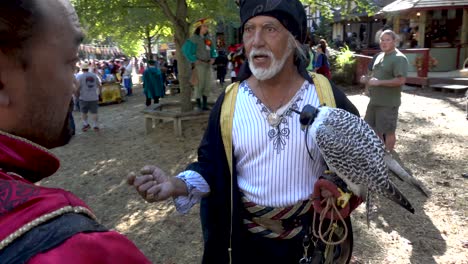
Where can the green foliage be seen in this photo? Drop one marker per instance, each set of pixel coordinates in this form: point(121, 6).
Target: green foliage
point(343, 7)
point(343, 65)
point(325, 29)
point(130, 23)
point(125, 23)
point(345, 57)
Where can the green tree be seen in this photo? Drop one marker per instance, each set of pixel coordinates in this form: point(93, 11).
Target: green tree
point(130, 22)
point(134, 28)
point(124, 18)
point(182, 13)
point(343, 7)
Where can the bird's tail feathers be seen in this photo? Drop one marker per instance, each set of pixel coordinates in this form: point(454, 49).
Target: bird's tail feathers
point(395, 195)
point(395, 167)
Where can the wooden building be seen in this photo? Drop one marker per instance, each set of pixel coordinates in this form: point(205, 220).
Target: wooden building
point(439, 25)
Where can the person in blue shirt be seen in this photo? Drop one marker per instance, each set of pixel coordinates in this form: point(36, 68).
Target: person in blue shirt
point(153, 87)
point(322, 65)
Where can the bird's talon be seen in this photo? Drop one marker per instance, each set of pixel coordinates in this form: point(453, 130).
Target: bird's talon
point(343, 199)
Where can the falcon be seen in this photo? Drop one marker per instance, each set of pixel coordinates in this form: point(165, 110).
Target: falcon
point(352, 150)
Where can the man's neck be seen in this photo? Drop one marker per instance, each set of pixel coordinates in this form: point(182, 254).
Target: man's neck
point(390, 51)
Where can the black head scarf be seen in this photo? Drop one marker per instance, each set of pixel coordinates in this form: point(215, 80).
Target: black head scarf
point(292, 16)
point(290, 13)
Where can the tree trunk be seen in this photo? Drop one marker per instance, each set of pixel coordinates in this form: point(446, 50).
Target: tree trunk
point(181, 34)
point(149, 51)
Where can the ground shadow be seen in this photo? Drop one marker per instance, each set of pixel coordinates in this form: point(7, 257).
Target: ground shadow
point(456, 99)
point(421, 156)
point(101, 162)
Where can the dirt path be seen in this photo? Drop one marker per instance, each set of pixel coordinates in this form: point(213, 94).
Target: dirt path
point(432, 141)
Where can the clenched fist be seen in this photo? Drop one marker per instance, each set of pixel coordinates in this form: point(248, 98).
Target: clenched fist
point(155, 185)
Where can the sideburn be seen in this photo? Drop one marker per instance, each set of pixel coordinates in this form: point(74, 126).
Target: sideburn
point(68, 129)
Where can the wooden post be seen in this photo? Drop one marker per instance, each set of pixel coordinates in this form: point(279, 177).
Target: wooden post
point(464, 29)
point(422, 28)
point(464, 36)
point(425, 66)
point(396, 24)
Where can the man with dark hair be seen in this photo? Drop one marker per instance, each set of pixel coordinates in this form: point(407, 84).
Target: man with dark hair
point(200, 50)
point(254, 176)
point(221, 63)
point(38, 51)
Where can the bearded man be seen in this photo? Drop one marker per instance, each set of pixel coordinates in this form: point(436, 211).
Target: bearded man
point(254, 176)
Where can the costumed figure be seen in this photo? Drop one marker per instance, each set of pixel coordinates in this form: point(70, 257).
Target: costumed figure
point(153, 87)
point(257, 170)
point(200, 50)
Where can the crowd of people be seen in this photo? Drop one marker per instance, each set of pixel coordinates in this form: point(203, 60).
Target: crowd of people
point(122, 70)
point(255, 201)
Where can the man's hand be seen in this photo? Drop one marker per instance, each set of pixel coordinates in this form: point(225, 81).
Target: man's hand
point(395, 82)
point(325, 193)
point(373, 82)
point(364, 79)
point(154, 185)
point(212, 61)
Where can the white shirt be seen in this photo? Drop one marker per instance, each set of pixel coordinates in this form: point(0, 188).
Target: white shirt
point(273, 169)
point(128, 70)
point(89, 86)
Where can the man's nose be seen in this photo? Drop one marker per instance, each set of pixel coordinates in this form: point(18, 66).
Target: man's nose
point(258, 39)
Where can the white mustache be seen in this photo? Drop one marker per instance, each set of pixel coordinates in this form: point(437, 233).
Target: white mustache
point(257, 52)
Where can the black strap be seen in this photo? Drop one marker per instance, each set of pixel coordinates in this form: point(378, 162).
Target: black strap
point(48, 236)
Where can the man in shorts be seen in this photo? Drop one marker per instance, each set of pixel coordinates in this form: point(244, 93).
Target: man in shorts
point(89, 90)
point(389, 71)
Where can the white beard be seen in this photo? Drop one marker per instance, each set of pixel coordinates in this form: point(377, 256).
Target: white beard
point(275, 67)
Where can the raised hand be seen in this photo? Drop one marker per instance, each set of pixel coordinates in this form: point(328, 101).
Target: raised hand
point(154, 185)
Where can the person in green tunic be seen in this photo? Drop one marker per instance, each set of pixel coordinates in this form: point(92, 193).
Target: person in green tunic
point(200, 50)
point(153, 87)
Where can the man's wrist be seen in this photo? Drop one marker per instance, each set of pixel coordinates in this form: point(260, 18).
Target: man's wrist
point(180, 187)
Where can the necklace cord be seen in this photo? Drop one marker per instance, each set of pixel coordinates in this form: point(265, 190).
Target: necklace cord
point(307, 144)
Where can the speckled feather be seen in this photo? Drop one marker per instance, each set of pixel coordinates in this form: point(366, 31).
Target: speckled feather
point(355, 153)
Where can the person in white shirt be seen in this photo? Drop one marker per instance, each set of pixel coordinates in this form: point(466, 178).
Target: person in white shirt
point(127, 76)
point(254, 176)
point(89, 89)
